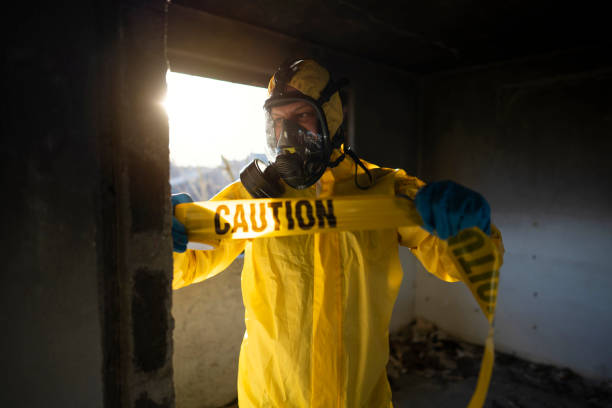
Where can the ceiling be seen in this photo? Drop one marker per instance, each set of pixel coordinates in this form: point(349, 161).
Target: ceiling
point(427, 36)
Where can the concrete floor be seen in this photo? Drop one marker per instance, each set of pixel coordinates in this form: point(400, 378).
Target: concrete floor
point(428, 369)
point(508, 389)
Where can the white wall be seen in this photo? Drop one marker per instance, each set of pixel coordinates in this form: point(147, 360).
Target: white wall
point(554, 300)
point(404, 308)
point(534, 138)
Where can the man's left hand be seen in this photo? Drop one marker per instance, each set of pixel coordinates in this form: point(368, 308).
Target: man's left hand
point(447, 207)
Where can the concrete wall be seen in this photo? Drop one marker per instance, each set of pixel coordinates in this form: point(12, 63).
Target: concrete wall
point(51, 321)
point(404, 309)
point(382, 127)
point(85, 289)
point(534, 137)
point(208, 333)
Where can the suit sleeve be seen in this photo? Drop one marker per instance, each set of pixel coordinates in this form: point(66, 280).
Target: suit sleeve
point(429, 249)
point(194, 266)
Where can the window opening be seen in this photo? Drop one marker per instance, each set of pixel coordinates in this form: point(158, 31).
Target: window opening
point(216, 128)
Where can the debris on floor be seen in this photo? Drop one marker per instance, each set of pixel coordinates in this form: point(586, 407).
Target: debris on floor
point(423, 349)
point(428, 365)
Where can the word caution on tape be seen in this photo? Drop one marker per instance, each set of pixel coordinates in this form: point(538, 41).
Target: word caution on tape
point(475, 256)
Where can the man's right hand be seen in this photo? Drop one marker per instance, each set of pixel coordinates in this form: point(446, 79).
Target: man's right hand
point(179, 232)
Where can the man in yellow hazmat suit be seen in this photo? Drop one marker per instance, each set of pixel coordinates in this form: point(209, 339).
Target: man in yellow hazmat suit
point(318, 305)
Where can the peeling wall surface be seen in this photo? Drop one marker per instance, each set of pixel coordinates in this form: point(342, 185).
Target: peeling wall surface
point(534, 138)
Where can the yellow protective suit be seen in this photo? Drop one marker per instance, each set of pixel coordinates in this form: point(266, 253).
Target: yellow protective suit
point(318, 306)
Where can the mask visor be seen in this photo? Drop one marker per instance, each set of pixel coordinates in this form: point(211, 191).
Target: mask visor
point(297, 139)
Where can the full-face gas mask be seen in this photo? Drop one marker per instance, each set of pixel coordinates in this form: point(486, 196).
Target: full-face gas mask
point(297, 140)
point(298, 143)
point(297, 146)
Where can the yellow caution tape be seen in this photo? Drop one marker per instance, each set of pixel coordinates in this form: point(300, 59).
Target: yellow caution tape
point(211, 221)
point(472, 251)
point(478, 260)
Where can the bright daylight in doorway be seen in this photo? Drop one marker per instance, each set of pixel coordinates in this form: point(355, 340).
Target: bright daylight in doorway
point(210, 118)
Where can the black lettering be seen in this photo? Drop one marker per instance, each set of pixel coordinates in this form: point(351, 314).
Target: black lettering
point(465, 235)
point(467, 266)
point(322, 214)
point(298, 213)
point(290, 221)
point(240, 219)
point(275, 206)
point(482, 292)
point(484, 276)
point(226, 226)
point(262, 217)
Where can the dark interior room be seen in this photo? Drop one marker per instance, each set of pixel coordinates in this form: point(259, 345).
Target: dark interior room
point(511, 99)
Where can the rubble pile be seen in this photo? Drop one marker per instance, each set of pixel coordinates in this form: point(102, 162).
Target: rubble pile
point(423, 349)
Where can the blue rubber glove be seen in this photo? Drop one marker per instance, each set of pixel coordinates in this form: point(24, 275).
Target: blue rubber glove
point(179, 232)
point(447, 207)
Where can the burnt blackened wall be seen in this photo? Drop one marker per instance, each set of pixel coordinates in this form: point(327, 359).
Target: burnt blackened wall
point(534, 137)
point(85, 293)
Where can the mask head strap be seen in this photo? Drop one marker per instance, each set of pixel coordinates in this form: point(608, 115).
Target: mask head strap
point(331, 88)
point(283, 75)
point(336, 144)
point(358, 163)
